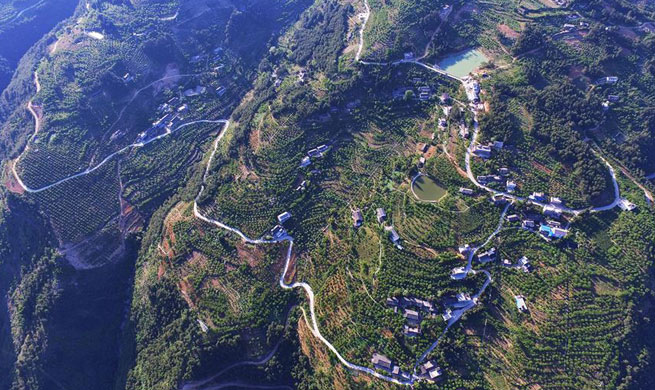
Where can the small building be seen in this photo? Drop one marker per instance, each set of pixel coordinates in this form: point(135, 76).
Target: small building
point(626, 205)
point(487, 256)
point(513, 218)
point(613, 98)
point(482, 151)
point(220, 91)
point(422, 147)
point(611, 79)
point(606, 105)
point(305, 162)
point(381, 215)
point(520, 303)
point(527, 224)
point(409, 55)
point(511, 186)
point(524, 263)
point(464, 250)
point(393, 302)
point(498, 199)
point(313, 153)
point(412, 316)
point(447, 315)
point(381, 362)
point(552, 232)
point(358, 219)
point(322, 148)
point(465, 191)
point(503, 171)
point(393, 235)
point(411, 331)
point(278, 232)
point(421, 162)
point(282, 218)
point(498, 145)
point(430, 371)
point(458, 273)
point(537, 197)
point(483, 179)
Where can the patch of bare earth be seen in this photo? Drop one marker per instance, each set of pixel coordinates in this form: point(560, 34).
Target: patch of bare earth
point(10, 180)
point(507, 31)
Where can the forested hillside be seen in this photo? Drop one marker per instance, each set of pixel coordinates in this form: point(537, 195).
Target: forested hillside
point(329, 194)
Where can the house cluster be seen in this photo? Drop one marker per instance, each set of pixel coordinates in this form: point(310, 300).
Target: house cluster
point(456, 306)
point(169, 118)
point(413, 310)
point(501, 177)
point(484, 151)
point(522, 263)
point(383, 363)
point(278, 231)
point(429, 371)
point(317, 152)
point(381, 216)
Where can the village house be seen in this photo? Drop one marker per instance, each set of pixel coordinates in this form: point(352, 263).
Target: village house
point(520, 303)
point(381, 215)
point(393, 235)
point(421, 162)
point(524, 263)
point(482, 151)
point(412, 316)
point(430, 371)
point(382, 362)
point(305, 162)
point(487, 256)
point(278, 232)
point(498, 199)
point(464, 250)
point(537, 197)
point(513, 218)
point(511, 186)
point(528, 224)
point(411, 331)
point(465, 191)
point(358, 219)
point(282, 218)
point(626, 205)
point(556, 201)
point(458, 273)
point(552, 231)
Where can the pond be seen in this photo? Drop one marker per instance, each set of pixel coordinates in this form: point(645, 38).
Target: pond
point(462, 63)
point(427, 189)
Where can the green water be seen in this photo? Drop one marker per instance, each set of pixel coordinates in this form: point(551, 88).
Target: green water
point(427, 189)
point(462, 63)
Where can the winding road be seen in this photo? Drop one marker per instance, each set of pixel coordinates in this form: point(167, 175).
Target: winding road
point(313, 324)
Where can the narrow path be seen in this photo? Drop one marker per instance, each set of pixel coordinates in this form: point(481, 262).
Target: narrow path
point(258, 362)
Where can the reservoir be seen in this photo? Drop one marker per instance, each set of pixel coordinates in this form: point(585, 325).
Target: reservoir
point(462, 63)
point(427, 189)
